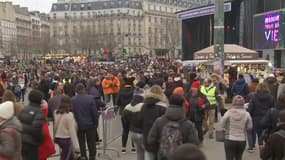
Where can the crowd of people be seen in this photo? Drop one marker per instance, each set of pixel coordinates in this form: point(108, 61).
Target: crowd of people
point(167, 110)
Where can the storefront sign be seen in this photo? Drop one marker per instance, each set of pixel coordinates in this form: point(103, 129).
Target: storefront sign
point(204, 11)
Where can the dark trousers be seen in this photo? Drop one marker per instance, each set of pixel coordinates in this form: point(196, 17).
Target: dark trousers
point(251, 135)
point(125, 135)
point(30, 152)
point(66, 148)
point(199, 127)
point(234, 149)
point(89, 136)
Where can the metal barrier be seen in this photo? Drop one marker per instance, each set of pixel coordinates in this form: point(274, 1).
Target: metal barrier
point(109, 126)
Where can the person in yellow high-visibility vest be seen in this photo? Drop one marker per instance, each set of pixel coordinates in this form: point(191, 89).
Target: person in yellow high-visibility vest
point(211, 92)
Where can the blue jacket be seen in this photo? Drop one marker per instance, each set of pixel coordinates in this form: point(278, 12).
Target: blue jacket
point(240, 87)
point(85, 111)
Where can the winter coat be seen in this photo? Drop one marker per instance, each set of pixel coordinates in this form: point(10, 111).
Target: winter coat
point(125, 96)
point(47, 148)
point(240, 87)
point(85, 111)
point(53, 103)
point(236, 121)
point(151, 110)
point(269, 121)
point(173, 113)
point(196, 113)
point(11, 140)
point(281, 89)
point(66, 127)
point(274, 148)
point(133, 117)
point(273, 86)
point(259, 105)
point(111, 86)
point(32, 120)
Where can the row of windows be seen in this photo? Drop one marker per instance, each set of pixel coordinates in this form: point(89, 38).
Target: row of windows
point(99, 13)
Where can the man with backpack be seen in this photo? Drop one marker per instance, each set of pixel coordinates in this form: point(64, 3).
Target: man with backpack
point(275, 146)
point(172, 129)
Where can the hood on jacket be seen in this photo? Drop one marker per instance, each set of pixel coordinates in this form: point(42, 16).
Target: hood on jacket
point(237, 113)
point(151, 102)
point(175, 113)
point(158, 97)
point(263, 96)
point(12, 123)
point(240, 81)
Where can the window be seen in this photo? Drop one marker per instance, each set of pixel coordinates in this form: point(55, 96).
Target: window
point(88, 14)
point(65, 15)
point(81, 14)
point(54, 15)
point(66, 7)
point(74, 14)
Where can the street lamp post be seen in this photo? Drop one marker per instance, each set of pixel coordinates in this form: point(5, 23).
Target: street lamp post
point(219, 35)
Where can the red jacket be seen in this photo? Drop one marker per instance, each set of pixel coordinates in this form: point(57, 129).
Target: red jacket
point(47, 148)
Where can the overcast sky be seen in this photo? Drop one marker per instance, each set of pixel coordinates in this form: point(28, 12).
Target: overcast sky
point(39, 5)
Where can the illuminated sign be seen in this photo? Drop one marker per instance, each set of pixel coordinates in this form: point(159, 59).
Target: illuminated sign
point(269, 30)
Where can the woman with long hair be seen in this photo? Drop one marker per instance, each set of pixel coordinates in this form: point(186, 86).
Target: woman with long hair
point(65, 129)
point(259, 105)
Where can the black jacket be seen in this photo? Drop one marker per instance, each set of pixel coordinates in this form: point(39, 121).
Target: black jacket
point(269, 121)
point(259, 105)
point(151, 110)
point(196, 113)
point(85, 111)
point(173, 113)
point(274, 148)
point(32, 120)
point(124, 97)
point(133, 117)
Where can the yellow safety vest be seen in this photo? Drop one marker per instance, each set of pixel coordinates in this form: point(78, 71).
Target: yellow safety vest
point(210, 94)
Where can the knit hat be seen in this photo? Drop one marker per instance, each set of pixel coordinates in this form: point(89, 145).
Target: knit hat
point(7, 110)
point(238, 100)
point(179, 91)
point(196, 84)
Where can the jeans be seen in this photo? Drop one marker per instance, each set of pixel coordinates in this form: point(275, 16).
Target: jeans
point(30, 152)
point(251, 136)
point(199, 128)
point(209, 121)
point(66, 148)
point(90, 136)
point(137, 138)
point(234, 149)
point(149, 155)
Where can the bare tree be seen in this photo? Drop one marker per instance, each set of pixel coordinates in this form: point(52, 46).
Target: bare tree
point(172, 36)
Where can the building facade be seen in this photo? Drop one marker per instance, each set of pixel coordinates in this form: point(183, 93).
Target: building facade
point(8, 30)
point(137, 26)
point(22, 32)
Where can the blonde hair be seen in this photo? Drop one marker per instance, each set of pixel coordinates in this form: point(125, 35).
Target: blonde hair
point(262, 87)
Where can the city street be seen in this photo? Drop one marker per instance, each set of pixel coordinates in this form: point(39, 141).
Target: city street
point(213, 150)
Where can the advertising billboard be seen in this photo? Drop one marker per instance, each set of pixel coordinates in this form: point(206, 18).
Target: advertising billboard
point(269, 30)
